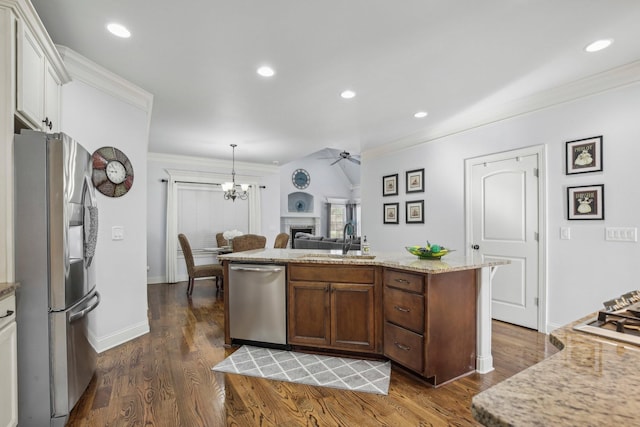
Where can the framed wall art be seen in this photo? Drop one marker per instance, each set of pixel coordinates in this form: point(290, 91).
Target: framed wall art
point(391, 213)
point(584, 155)
point(415, 212)
point(585, 202)
point(390, 185)
point(415, 181)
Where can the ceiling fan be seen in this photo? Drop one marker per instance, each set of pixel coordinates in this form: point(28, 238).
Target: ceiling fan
point(346, 155)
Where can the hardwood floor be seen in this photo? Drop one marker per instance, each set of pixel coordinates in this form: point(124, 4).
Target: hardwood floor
point(164, 379)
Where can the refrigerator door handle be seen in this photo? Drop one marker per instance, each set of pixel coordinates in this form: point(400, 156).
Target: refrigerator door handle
point(82, 313)
point(92, 238)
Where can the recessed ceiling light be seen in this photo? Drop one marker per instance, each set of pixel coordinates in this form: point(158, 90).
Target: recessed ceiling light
point(420, 114)
point(266, 71)
point(348, 94)
point(118, 30)
point(598, 45)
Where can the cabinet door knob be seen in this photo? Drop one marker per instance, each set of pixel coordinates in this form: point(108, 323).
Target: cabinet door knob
point(402, 309)
point(406, 282)
point(475, 247)
point(48, 123)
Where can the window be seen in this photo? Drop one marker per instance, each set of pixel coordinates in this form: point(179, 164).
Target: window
point(178, 178)
point(337, 220)
point(203, 212)
point(340, 213)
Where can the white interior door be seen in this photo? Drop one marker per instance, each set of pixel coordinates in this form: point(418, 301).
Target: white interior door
point(504, 221)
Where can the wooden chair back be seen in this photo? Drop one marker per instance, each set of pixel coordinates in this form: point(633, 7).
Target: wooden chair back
point(246, 242)
point(220, 240)
point(281, 240)
point(188, 254)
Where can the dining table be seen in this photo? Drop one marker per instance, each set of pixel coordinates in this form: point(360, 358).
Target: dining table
point(218, 250)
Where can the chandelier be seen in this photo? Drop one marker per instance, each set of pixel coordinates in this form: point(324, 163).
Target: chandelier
point(230, 188)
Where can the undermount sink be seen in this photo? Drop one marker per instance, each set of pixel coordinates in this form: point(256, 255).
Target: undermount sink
point(338, 256)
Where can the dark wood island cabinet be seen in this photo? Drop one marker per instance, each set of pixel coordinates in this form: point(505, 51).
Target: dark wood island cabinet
point(430, 322)
point(429, 317)
point(334, 307)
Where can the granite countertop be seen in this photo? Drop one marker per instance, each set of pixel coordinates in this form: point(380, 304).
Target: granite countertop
point(592, 381)
point(7, 289)
point(404, 261)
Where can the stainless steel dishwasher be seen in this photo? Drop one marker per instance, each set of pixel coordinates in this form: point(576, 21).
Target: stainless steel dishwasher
point(258, 304)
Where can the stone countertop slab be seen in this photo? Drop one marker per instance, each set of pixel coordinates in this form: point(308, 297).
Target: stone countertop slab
point(7, 289)
point(449, 263)
point(592, 381)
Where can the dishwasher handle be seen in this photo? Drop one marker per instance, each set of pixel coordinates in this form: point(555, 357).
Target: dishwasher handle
point(259, 269)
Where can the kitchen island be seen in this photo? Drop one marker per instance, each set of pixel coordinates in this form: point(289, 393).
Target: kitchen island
point(590, 382)
point(454, 276)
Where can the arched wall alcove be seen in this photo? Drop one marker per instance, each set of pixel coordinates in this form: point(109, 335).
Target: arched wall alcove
point(300, 201)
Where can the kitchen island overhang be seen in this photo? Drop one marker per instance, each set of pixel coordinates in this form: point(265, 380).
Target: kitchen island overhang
point(398, 261)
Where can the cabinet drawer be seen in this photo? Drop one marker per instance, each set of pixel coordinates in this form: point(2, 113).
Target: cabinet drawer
point(407, 281)
point(404, 309)
point(404, 346)
point(332, 273)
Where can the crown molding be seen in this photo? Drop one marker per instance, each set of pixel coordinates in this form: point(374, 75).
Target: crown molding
point(214, 164)
point(485, 114)
point(94, 75)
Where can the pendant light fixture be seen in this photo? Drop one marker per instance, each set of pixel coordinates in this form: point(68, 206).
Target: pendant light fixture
point(229, 188)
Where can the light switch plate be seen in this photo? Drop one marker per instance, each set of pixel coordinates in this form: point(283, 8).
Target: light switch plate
point(621, 234)
point(565, 233)
point(117, 232)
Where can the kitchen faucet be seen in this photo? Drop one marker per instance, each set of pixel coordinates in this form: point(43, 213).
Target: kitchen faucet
point(346, 245)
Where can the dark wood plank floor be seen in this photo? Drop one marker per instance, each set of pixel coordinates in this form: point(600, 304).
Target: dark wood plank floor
point(164, 379)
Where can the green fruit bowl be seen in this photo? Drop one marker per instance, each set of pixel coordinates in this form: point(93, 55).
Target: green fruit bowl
point(426, 252)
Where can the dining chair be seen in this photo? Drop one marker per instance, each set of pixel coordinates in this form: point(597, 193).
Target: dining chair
point(246, 242)
point(220, 240)
point(198, 271)
point(281, 240)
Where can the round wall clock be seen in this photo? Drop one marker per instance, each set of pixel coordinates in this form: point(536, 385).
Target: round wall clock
point(300, 178)
point(112, 172)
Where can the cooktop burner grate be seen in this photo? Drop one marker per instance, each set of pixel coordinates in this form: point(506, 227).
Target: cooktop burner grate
point(619, 320)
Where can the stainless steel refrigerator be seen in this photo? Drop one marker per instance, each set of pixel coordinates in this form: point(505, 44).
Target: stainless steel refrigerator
point(56, 224)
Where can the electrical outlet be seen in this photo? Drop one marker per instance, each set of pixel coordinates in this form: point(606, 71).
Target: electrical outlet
point(117, 232)
point(621, 234)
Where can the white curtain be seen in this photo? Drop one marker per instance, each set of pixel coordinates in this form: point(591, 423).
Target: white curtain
point(171, 244)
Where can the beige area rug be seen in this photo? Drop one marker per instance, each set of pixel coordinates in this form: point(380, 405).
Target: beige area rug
point(337, 372)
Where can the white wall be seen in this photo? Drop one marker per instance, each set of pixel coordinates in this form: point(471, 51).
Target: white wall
point(94, 115)
point(265, 175)
point(581, 272)
point(326, 182)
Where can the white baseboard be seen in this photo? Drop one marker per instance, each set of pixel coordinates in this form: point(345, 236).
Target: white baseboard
point(156, 280)
point(163, 279)
point(105, 343)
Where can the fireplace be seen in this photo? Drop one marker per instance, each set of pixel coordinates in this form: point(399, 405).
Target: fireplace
point(293, 224)
point(294, 229)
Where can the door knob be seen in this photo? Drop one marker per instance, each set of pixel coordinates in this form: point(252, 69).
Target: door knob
point(475, 247)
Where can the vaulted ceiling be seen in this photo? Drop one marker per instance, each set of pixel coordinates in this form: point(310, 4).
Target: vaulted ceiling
point(445, 57)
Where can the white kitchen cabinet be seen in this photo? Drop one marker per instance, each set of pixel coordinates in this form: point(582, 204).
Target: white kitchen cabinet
point(52, 88)
point(8, 363)
point(38, 85)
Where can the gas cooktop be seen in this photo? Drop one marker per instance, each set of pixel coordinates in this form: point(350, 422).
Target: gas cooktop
point(620, 319)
